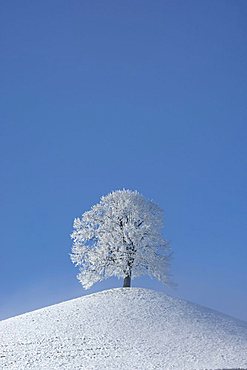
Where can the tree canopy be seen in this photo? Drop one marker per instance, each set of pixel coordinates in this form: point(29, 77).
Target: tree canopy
point(120, 236)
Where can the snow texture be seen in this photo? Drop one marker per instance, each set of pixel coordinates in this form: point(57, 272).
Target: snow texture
point(127, 328)
point(120, 236)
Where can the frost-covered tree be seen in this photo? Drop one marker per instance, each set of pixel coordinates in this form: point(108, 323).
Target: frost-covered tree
point(120, 236)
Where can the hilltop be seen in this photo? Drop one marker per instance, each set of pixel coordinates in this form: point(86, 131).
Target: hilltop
point(126, 328)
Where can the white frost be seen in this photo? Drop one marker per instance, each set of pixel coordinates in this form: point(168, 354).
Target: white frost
point(120, 236)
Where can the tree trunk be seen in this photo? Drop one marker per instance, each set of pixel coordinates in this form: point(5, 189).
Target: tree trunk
point(127, 281)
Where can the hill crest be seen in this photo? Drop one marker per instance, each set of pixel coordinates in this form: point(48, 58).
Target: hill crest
point(124, 328)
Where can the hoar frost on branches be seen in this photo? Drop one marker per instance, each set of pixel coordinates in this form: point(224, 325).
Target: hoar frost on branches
point(120, 236)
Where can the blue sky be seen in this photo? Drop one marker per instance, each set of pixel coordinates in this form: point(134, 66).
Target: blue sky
point(104, 95)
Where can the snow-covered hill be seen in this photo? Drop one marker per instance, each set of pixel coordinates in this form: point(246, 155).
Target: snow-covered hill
point(123, 329)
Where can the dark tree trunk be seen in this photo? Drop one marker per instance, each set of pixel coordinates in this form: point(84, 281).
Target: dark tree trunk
point(127, 281)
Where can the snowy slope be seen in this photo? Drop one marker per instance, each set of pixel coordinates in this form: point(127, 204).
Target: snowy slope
point(123, 329)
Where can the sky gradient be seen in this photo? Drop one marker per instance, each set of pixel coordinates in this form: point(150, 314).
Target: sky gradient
point(103, 95)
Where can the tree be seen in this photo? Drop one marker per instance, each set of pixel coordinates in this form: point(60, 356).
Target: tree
point(120, 236)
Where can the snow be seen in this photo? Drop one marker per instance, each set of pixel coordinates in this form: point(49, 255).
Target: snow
point(127, 328)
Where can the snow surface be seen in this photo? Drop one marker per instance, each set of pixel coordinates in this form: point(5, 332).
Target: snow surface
point(127, 328)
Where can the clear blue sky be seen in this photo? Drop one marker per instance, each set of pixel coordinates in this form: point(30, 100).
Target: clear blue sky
point(101, 95)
